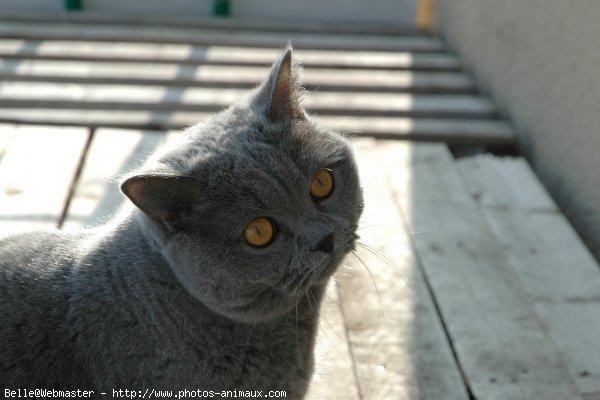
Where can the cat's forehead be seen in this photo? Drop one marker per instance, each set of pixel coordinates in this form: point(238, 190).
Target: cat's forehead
point(241, 150)
point(302, 144)
point(266, 163)
point(248, 136)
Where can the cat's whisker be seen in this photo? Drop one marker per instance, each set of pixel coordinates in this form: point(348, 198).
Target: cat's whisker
point(316, 89)
point(333, 299)
point(367, 227)
point(331, 343)
point(387, 260)
point(298, 342)
point(374, 285)
point(351, 134)
point(345, 274)
point(325, 319)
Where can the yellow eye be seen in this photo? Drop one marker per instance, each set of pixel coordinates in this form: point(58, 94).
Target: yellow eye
point(322, 184)
point(259, 232)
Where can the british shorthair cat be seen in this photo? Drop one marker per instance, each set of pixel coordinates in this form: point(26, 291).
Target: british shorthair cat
point(203, 283)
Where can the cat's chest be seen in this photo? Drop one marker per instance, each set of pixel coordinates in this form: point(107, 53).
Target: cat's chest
point(251, 356)
point(196, 353)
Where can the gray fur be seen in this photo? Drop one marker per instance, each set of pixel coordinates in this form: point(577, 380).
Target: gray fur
point(169, 295)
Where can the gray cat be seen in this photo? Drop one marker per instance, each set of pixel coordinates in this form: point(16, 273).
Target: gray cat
point(212, 282)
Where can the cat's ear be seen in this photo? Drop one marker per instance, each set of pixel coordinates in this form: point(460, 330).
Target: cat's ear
point(283, 90)
point(163, 198)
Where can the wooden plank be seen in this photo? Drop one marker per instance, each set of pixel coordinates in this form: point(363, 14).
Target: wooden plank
point(112, 154)
point(399, 346)
point(230, 76)
point(334, 376)
point(97, 97)
point(6, 135)
point(450, 131)
point(35, 176)
point(503, 348)
point(563, 285)
point(513, 185)
point(479, 132)
point(117, 33)
point(268, 25)
point(214, 55)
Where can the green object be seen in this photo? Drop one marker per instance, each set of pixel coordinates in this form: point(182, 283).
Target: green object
point(221, 8)
point(73, 4)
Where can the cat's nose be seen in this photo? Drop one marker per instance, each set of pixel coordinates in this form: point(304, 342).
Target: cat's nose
point(325, 244)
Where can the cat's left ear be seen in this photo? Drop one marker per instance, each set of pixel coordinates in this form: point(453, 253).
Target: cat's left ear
point(163, 198)
point(283, 90)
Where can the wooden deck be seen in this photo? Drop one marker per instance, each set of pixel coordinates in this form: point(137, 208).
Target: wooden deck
point(469, 282)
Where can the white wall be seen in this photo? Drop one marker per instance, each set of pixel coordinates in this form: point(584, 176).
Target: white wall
point(540, 59)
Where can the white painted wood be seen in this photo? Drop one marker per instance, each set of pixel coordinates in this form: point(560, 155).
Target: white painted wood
point(557, 271)
point(6, 135)
point(180, 53)
point(243, 76)
point(505, 183)
point(450, 131)
point(425, 129)
point(112, 154)
point(95, 32)
point(202, 99)
point(334, 376)
point(397, 339)
point(502, 346)
point(35, 176)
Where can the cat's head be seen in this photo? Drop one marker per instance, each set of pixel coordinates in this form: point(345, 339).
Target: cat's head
point(256, 205)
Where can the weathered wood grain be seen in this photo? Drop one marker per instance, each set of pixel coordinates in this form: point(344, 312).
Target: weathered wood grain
point(217, 55)
point(399, 346)
point(116, 33)
point(6, 134)
point(187, 76)
point(334, 375)
point(36, 171)
point(560, 276)
point(482, 132)
point(503, 348)
point(449, 131)
point(98, 97)
point(112, 154)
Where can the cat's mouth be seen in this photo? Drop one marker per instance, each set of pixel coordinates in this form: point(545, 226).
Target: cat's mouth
point(325, 267)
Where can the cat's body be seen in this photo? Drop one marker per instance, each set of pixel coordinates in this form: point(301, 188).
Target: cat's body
point(172, 295)
point(107, 319)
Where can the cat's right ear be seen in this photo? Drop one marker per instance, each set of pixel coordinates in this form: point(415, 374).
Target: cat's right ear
point(282, 90)
point(163, 198)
